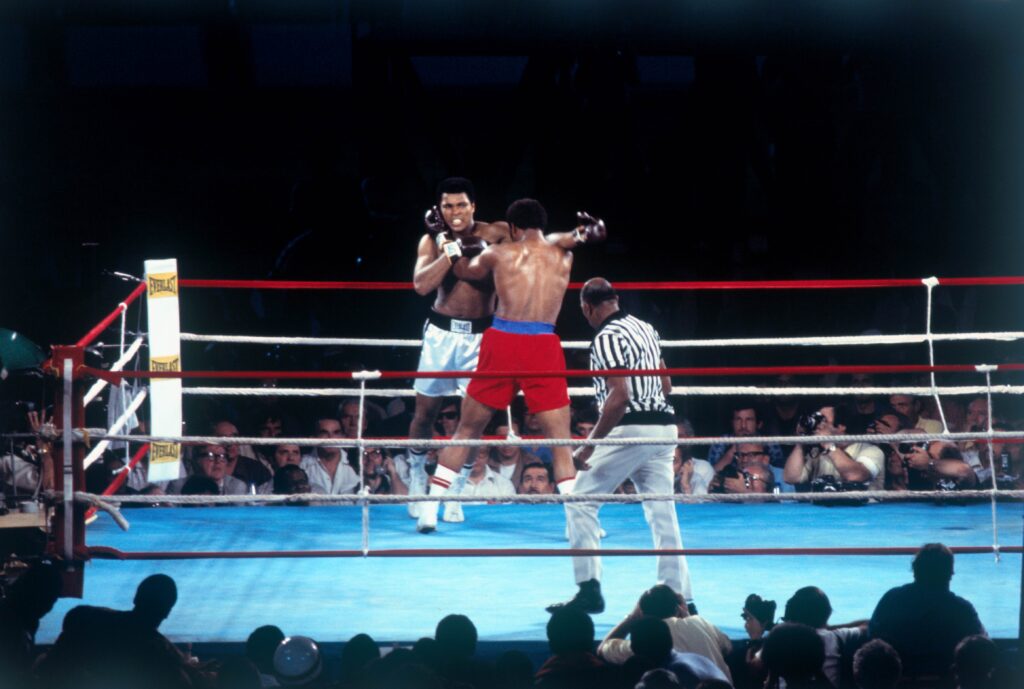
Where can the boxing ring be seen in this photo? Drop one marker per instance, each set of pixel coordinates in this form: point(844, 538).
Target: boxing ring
point(354, 563)
point(399, 599)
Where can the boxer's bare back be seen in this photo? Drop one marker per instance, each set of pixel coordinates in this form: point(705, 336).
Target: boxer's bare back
point(531, 274)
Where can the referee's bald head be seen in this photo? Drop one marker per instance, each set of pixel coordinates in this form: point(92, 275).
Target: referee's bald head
point(596, 291)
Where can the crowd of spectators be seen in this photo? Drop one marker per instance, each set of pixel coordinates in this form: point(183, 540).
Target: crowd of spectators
point(920, 634)
point(817, 464)
point(739, 467)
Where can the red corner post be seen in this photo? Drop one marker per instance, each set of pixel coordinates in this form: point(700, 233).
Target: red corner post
point(68, 543)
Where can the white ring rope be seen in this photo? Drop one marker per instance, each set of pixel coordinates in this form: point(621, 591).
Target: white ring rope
point(361, 453)
point(554, 442)
point(991, 462)
point(102, 446)
point(831, 341)
point(118, 365)
point(677, 391)
point(100, 502)
point(554, 498)
point(365, 499)
point(123, 334)
point(69, 472)
point(930, 284)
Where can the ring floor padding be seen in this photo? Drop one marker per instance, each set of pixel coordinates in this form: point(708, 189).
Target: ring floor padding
point(402, 599)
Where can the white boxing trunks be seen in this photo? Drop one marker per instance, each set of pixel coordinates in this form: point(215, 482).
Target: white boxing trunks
point(449, 344)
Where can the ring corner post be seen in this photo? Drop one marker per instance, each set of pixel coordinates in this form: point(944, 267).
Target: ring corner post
point(68, 543)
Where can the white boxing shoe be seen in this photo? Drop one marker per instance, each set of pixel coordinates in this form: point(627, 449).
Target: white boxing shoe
point(453, 512)
point(427, 521)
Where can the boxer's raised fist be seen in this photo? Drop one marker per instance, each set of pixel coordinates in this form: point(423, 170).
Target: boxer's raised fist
point(589, 229)
point(434, 221)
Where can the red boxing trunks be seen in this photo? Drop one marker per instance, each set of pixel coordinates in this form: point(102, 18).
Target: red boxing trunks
point(520, 346)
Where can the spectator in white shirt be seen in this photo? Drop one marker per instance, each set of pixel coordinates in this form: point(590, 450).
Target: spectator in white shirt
point(510, 460)
point(328, 470)
point(690, 633)
point(484, 482)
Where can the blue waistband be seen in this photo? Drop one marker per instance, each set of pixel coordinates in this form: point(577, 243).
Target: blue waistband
point(523, 327)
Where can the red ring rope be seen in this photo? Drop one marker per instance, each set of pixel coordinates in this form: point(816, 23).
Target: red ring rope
point(108, 553)
point(685, 285)
point(625, 286)
point(121, 477)
point(117, 376)
point(88, 338)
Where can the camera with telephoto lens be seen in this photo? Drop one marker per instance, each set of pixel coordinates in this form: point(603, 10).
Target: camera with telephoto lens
point(1004, 479)
point(907, 448)
point(731, 471)
point(810, 422)
point(825, 484)
point(831, 484)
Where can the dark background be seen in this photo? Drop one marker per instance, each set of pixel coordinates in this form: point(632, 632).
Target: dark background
point(720, 141)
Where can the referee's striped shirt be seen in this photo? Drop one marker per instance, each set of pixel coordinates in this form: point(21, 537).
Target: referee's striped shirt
point(625, 342)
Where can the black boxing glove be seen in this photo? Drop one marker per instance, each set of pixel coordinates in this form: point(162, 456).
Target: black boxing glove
point(471, 246)
point(434, 221)
point(590, 229)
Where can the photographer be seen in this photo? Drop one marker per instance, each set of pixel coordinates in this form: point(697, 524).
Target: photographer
point(749, 473)
point(27, 465)
point(888, 422)
point(837, 464)
point(745, 423)
point(380, 476)
point(934, 465)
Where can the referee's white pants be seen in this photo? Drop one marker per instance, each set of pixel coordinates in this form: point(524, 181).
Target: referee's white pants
point(650, 468)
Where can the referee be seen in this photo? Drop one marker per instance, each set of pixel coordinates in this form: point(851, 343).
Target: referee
point(630, 408)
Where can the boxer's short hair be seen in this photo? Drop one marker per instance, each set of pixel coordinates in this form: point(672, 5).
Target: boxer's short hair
point(527, 214)
point(456, 185)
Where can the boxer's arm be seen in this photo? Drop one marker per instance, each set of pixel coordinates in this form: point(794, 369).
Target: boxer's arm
point(495, 232)
point(563, 240)
point(431, 267)
point(589, 230)
point(478, 267)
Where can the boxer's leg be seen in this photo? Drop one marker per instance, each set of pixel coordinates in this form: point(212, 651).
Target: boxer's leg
point(475, 417)
point(421, 427)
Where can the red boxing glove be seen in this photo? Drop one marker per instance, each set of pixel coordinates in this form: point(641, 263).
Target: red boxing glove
point(590, 229)
point(434, 221)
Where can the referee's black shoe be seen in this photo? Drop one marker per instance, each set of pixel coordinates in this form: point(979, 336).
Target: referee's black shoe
point(588, 599)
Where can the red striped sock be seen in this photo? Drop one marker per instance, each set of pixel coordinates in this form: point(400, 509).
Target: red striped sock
point(442, 480)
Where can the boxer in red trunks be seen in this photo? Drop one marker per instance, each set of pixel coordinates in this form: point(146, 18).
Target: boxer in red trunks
point(531, 274)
